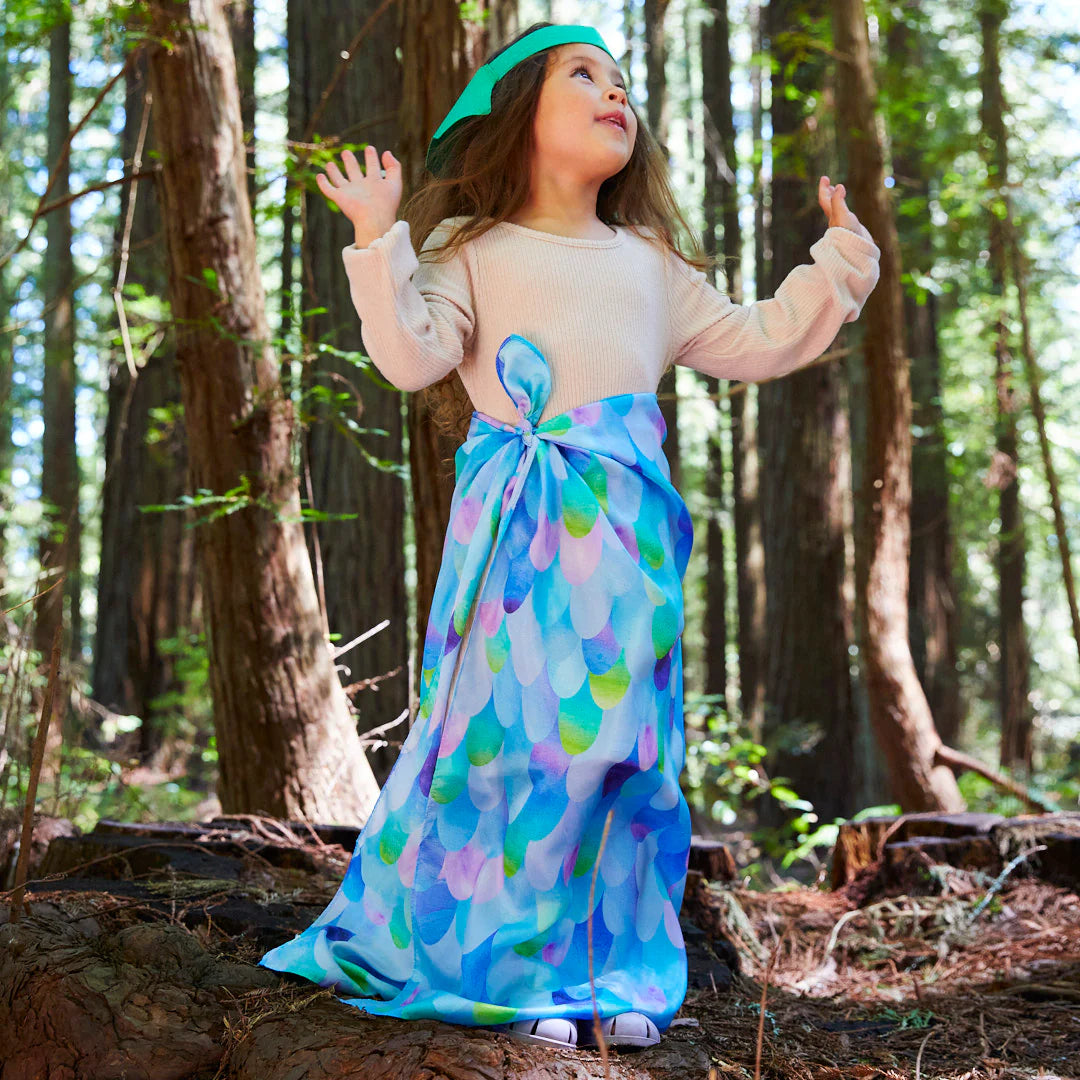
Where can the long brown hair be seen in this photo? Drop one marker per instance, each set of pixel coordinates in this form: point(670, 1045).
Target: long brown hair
point(487, 181)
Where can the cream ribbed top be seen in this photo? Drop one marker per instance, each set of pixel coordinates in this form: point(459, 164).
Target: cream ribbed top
point(608, 315)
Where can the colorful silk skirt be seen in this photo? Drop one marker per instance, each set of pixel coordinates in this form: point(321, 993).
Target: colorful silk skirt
point(551, 695)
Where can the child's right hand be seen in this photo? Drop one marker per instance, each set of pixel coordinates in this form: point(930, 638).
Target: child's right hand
point(369, 201)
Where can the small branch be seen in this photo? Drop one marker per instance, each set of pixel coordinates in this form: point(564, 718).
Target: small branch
point(958, 762)
point(761, 1010)
point(1000, 880)
point(30, 599)
point(36, 757)
point(100, 186)
point(918, 1057)
point(65, 150)
point(125, 244)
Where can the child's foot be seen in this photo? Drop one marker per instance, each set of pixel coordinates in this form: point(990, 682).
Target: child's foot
point(552, 1031)
point(630, 1029)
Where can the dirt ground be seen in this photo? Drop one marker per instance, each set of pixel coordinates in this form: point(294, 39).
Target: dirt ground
point(942, 986)
point(938, 974)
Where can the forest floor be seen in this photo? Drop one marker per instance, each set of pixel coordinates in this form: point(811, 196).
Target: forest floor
point(924, 986)
point(148, 969)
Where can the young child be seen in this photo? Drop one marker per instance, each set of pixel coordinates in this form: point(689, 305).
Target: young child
point(551, 690)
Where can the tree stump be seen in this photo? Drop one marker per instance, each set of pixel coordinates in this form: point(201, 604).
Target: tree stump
point(890, 847)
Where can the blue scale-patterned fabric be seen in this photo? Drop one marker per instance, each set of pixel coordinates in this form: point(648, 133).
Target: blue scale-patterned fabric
point(559, 603)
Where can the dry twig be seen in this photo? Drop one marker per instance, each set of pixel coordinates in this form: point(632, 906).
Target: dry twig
point(35, 771)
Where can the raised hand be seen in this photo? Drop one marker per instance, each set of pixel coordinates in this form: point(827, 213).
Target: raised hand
point(831, 198)
point(368, 199)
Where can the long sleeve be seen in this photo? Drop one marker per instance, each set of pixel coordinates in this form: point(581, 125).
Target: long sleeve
point(767, 338)
point(417, 315)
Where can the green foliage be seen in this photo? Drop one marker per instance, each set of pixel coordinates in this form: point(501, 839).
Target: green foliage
point(1053, 788)
point(470, 11)
point(808, 841)
point(229, 502)
point(92, 784)
point(726, 775)
point(912, 1018)
point(720, 769)
point(187, 709)
point(163, 420)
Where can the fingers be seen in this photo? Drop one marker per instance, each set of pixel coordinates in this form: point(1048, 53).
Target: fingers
point(326, 187)
point(352, 166)
point(827, 189)
point(335, 173)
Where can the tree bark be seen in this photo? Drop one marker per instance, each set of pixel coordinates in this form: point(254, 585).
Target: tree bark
point(657, 112)
point(898, 707)
point(7, 341)
point(932, 603)
point(59, 547)
point(147, 588)
point(802, 429)
point(363, 557)
point(1014, 661)
point(241, 16)
point(745, 466)
point(720, 190)
point(286, 741)
point(1017, 263)
point(441, 52)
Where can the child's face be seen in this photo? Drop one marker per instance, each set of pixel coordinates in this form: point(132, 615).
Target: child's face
point(582, 84)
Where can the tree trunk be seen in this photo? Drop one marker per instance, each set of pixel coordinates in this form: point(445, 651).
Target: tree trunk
point(147, 585)
point(362, 558)
point(802, 428)
point(720, 191)
point(749, 543)
point(898, 706)
point(58, 550)
point(1014, 658)
point(241, 16)
point(932, 603)
point(1017, 262)
point(657, 110)
point(286, 741)
point(441, 52)
point(7, 341)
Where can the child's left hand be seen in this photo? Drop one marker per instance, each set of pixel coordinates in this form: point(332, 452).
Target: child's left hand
point(831, 198)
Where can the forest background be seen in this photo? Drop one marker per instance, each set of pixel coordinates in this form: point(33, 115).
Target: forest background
point(151, 719)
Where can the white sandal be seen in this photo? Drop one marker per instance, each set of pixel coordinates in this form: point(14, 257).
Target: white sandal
point(551, 1031)
point(626, 1029)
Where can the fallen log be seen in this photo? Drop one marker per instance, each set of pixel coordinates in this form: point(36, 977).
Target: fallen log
point(890, 847)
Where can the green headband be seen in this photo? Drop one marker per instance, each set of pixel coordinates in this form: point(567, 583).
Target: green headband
point(475, 99)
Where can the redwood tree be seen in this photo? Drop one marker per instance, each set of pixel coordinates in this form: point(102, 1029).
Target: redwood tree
point(933, 601)
point(1014, 664)
point(362, 556)
point(147, 584)
point(58, 548)
point(287, 743)
point(657, 107)
point(810, 715)
point(898, 708)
